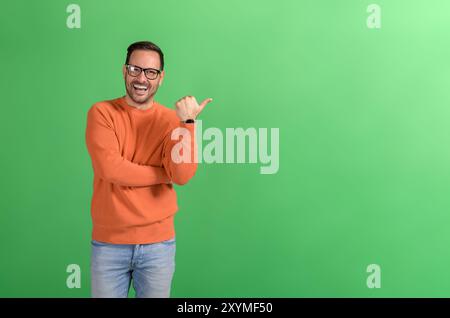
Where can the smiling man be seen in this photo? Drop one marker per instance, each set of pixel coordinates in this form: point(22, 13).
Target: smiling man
point(129, 140)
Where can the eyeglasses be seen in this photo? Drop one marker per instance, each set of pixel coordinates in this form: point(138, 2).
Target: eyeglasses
point(135, 71)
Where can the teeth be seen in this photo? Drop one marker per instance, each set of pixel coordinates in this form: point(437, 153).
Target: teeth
point(140, 87)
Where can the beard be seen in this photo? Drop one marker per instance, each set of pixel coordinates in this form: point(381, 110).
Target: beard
point(138, 96)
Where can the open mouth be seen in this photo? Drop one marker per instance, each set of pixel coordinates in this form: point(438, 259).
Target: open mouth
point(140, 88)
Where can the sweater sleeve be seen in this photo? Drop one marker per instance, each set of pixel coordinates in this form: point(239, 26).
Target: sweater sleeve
point(180, 171)
point(107, 162)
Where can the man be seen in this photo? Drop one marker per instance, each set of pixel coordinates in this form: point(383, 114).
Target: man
point(130, 142)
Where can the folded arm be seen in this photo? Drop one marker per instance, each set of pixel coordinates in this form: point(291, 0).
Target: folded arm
point(108, 163)
point(179, 153)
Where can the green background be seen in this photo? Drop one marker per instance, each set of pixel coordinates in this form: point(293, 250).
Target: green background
point(364, 142)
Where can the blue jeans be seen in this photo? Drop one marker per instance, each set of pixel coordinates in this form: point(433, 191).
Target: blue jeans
point(149, 266)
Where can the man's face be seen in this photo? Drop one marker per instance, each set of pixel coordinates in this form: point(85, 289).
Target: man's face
point(134, 85)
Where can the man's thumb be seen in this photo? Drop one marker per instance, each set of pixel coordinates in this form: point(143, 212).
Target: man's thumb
point(203, 104)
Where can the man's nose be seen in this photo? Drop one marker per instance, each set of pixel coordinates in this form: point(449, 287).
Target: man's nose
point(141, 77)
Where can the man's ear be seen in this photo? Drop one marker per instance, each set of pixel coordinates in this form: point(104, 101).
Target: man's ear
point(124, 71)
point(161, 77)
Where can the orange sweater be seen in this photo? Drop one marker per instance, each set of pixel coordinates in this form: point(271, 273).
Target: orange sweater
point(133, 200)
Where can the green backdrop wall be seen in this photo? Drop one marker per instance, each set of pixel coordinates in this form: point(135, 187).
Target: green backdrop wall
point(363, 114)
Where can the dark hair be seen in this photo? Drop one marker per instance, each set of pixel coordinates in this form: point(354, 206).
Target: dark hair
point(145, 45)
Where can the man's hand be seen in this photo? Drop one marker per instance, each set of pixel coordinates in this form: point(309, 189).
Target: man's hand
point(188, 108)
